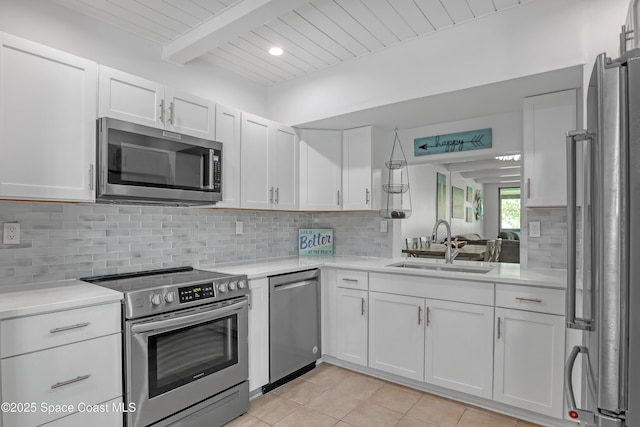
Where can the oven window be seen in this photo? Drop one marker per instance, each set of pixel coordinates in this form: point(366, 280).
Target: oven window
point(185, 355)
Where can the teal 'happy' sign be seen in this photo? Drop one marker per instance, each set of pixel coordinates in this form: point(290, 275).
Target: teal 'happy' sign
point(315, 241)
point(452, 142)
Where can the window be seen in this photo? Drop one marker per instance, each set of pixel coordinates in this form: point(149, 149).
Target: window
point(509, 208)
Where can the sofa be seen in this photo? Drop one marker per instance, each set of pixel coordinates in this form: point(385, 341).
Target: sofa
point(510, 247)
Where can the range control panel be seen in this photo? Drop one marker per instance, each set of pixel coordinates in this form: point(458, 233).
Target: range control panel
point(194, 293)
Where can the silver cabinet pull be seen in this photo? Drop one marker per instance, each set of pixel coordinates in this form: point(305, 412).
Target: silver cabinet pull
point(367, 196)
point(271, 195)
point(344, 279)
point(338, 198)
point(75, 380)
point(92, 177)
point(428, 316)
point(419, 315)
point(162, 110)
point(277, 195)
point(362, 308)
point(70, 327)
point(498, 328)
point(172, 113)
point(528, 299)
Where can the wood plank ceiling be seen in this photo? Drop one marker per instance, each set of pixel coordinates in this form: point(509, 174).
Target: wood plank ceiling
point(314, 35)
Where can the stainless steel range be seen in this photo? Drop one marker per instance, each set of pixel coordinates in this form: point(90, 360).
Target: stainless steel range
point(185, 341)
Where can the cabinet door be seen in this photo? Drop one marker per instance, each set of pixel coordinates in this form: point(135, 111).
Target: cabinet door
point(259, 334)
point(320, 169)
point(257, 192)
point(356, 168)
point(189, 114)
point(228, 132)
point(459, 347)
point(124, 96)
point(283, 167)
point(352, 318)
point(547, 118)
point(47, 123)
point(529, 357)
point(396, 334)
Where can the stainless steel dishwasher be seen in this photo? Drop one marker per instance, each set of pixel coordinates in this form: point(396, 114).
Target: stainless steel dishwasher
point(294, 326)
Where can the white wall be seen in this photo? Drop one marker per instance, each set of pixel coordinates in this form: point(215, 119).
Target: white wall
point(537, 37)
point(49, 24)
point(423, 199)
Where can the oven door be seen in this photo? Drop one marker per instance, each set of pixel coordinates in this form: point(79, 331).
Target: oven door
point(176, 360)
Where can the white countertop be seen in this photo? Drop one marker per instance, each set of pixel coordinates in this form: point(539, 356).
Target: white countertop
point(38, 298)
point(500, 273)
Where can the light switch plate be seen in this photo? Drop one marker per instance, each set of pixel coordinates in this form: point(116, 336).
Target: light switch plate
point(383, 226)
point(534, 228)
point(239, 227)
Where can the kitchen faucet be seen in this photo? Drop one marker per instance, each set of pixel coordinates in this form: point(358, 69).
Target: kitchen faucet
point(449, 252)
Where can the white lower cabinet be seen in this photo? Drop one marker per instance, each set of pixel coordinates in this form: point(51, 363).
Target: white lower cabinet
point(396, 334)
point(529, 360)
point(352, 310)
point(459, 347)
point(258, 333)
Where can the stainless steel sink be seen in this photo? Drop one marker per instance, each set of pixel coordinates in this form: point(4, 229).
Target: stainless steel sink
point(441, 267)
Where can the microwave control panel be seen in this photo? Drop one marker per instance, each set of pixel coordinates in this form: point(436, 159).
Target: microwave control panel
point(216, 170)
point(194, 293)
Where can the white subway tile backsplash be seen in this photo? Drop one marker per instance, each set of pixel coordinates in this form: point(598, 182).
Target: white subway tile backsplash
point(63, 241)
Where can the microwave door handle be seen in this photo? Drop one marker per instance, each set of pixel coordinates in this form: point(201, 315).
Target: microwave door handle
point(178, 322)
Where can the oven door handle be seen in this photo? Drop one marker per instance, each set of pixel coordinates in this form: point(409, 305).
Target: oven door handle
point(187, 320)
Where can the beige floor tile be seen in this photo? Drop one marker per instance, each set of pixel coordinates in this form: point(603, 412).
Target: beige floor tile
point(368, 415)
point(358, 386)
point(407, 421)
point(300, 390)
point(306, 417)
point(327, 375)
point(343, 424)
point(434, 410)
point(247, 420)
point(334, 403)
point(395, 397)
point(475, 418)
point(271, 408)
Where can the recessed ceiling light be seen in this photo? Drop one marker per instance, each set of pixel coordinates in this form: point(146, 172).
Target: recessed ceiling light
point(276, 51)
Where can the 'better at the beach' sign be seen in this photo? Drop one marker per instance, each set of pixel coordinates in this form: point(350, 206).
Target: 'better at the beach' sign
point(315, 241)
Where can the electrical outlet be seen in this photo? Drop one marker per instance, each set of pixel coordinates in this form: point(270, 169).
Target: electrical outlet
point(11, 233)
point(383, 226)
point(239, 227)
point(534, 228)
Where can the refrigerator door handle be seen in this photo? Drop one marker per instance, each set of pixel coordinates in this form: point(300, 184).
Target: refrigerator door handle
point(573, 137)
point(574, 412)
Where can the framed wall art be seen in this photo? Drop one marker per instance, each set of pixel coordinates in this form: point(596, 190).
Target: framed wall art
point(441, 196)
point(457, 202)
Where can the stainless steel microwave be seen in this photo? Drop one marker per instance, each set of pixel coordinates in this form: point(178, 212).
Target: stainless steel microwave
point(141, 164)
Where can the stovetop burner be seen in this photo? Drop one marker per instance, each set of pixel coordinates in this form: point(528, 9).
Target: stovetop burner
point(159, 291)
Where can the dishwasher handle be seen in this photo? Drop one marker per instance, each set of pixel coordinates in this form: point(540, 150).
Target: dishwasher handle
point(285, 286)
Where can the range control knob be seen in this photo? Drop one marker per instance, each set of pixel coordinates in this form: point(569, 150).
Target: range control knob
point(170, 297)
point(156, 299)
point(232, 286)
point(241, 284)
point(222, 287)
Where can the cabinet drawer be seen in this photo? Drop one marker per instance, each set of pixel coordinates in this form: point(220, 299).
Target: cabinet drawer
point(91, 416)
point(353, 279)
point(88, 372)
point(32, 333)
point(531, 299)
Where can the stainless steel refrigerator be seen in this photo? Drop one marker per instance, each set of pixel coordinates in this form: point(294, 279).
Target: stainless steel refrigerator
point(609, 274)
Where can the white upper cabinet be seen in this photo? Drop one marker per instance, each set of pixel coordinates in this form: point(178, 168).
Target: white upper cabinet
point(131, 98)
point(547, 118)
point(357, 168)
point(228, 132)
point(269, 164)
point(320, 169)
point(47, 123)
